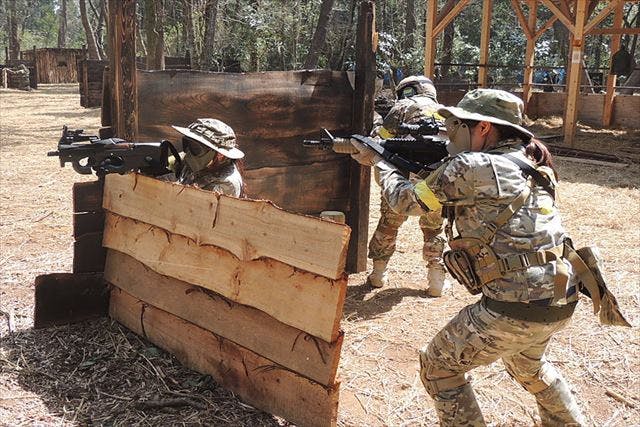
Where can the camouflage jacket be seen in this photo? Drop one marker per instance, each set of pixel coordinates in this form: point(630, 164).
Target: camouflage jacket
point(408, 110)
point(225, 179)
point(480, 185)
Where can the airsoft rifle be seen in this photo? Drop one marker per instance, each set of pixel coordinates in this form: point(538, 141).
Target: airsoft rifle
point(89, 153)
point(419, 151)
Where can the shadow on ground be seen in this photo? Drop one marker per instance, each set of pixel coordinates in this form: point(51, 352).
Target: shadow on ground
point(364, 302)
point(97, 372)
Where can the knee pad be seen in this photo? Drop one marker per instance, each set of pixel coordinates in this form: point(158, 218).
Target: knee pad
point(436, 379)
point(538, 382)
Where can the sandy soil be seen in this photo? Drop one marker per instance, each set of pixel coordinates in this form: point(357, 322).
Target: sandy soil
point(99, 373)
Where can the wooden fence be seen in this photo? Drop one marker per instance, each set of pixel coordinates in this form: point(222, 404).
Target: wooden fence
point(590, 107)
point(271, 113)
point(55, 65)
point(237, 289)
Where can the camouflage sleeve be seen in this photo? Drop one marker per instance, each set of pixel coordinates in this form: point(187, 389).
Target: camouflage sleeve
point(393, 120)
point(453, 182)
point(397, 190)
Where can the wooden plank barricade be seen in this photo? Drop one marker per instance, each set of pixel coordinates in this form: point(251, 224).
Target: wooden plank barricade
point(238, 289)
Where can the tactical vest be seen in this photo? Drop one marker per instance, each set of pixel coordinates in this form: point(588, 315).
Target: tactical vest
point(473, 262)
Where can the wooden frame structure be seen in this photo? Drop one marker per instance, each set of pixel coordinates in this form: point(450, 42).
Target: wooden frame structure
point(575, 15)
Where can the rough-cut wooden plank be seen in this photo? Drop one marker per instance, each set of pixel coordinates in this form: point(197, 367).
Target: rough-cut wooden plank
point(256, 105)
point(256, 380)
point(251, 328)
point(250, 229)
point(293, 184)
point(303, 300)
point(62, 298)
point(87, 196)
point(88, 253)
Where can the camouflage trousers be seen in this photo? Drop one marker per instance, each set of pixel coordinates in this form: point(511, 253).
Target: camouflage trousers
point(478, 336)
point(383, 242)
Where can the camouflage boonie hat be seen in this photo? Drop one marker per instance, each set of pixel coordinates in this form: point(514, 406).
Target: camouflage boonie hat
point(215, 134)
point(491, 105)
point(422, 85)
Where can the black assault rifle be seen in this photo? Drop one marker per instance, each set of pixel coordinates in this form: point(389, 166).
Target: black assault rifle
point(420, 152)
point(89, 153)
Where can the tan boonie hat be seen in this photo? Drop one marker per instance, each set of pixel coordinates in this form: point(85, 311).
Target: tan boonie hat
point(491, 105)
point(215, 134)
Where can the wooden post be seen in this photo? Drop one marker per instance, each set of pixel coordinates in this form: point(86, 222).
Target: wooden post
point(364, 94)
point(430, 38)
point(35, 67)
point(6, 54)
point(487, 5)
point(122, 27)
point(529, 56)
point(573, 83)
point(607, 110)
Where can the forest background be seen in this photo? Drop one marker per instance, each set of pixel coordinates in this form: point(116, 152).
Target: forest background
point(259, 35)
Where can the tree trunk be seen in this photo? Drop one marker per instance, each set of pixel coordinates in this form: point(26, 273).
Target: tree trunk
point(338, 64)
point(319, 36)
point(190, 37)
point(409, 25)
point(62, 29)
point(154, 31)
point(12, 24)
point(92, 46)
point(207, 58)
point(447, 48)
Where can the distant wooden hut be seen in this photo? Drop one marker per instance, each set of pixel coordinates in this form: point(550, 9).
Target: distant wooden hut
point(55, 65)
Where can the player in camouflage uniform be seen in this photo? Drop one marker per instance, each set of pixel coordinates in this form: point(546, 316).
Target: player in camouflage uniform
point(211, 156)
point(416, 101)
point(507, 218)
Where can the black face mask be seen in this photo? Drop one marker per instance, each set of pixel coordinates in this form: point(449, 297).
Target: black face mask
point(193, 147)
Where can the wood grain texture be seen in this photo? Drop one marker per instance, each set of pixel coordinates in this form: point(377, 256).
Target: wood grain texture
point(269, 105)
point(251, 328)
point(256, 380)
point(87, 196)
point(306, 301)
point(249, 229)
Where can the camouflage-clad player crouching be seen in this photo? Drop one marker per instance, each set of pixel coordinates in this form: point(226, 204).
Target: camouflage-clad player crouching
point(211, 157)
point(416, 101)
point(498, 190)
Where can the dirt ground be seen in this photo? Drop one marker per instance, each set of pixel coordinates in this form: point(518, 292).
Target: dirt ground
point(99, 373)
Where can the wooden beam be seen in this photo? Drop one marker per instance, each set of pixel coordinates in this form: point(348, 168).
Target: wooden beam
point(515, 4)
point(607, 110)
point(313, 303)
point(487, 6)
point(613, 4)
point(455, 11)
point(430, 38)
point(560, 15)
point(254, 379)
point(614, 31)
point(251, 328)
point(62, 298)
point(363, 101)
point(573, 83)
point(545, 27)
point(249, 229)
point(529, 56)
point(122, 28)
